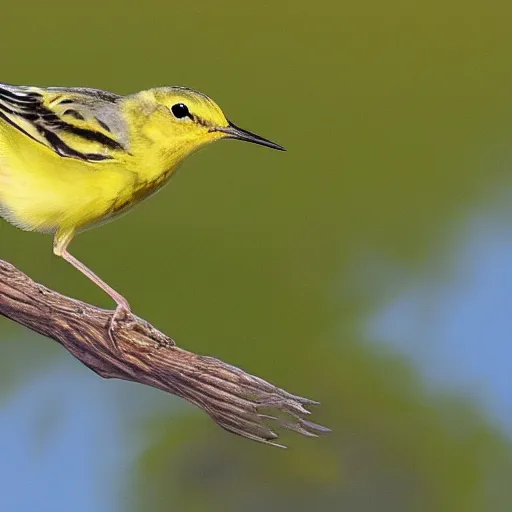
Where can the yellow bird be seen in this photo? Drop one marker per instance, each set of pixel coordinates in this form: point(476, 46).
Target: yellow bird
point(73, 158)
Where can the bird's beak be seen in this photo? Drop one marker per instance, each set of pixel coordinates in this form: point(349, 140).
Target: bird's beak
point(233, 132)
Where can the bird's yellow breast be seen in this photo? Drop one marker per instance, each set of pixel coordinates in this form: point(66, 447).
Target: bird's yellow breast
point(40, 190)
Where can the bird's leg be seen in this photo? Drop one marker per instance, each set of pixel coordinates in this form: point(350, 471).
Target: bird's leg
point(123, 310)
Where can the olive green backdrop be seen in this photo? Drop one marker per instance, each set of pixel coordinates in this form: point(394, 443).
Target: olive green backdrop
point(396, 118)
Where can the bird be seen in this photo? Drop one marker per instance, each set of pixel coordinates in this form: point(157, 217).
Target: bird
point(73, 158)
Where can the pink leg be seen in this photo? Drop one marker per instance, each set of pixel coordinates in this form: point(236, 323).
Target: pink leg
point(122, 311)
point(60, 249)
point(122, 303)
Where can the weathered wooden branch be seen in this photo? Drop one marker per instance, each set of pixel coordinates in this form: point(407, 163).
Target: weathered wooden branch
point(236, 400)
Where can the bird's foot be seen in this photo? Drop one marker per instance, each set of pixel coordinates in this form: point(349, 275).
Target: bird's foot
point(122, 318)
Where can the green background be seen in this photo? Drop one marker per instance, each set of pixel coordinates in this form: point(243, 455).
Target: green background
point(396, 118)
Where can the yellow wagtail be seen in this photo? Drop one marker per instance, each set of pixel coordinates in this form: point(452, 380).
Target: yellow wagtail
point(73, 158)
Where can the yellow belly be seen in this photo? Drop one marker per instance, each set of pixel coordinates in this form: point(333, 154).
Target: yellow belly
point(42, 191)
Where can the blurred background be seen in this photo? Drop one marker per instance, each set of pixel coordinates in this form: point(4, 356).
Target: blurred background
point(369, 267)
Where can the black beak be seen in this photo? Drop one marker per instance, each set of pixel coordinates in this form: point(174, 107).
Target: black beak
point(233, 132)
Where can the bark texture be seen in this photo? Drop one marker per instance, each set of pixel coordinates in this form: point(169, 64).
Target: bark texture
point(239, 402)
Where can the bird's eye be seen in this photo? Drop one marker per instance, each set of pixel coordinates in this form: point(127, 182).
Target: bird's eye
point(180, 110)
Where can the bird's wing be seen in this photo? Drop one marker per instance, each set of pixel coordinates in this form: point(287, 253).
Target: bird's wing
point(70, 122)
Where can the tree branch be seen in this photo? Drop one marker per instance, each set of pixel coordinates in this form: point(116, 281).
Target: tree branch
point(239, 402)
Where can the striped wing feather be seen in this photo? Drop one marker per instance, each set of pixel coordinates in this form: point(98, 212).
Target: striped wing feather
point(64, 120)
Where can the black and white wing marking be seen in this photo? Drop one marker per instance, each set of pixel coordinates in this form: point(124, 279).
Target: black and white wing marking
point(63, 120)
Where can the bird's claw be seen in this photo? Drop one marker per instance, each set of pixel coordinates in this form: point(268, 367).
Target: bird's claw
point(122, 318)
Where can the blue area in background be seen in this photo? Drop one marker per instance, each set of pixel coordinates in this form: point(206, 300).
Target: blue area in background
point(458, 331)
point(76, 458)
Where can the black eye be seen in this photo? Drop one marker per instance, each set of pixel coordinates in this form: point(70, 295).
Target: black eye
point(180, 110)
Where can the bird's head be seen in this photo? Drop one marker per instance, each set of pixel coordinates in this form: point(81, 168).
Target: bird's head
point(177, 121)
